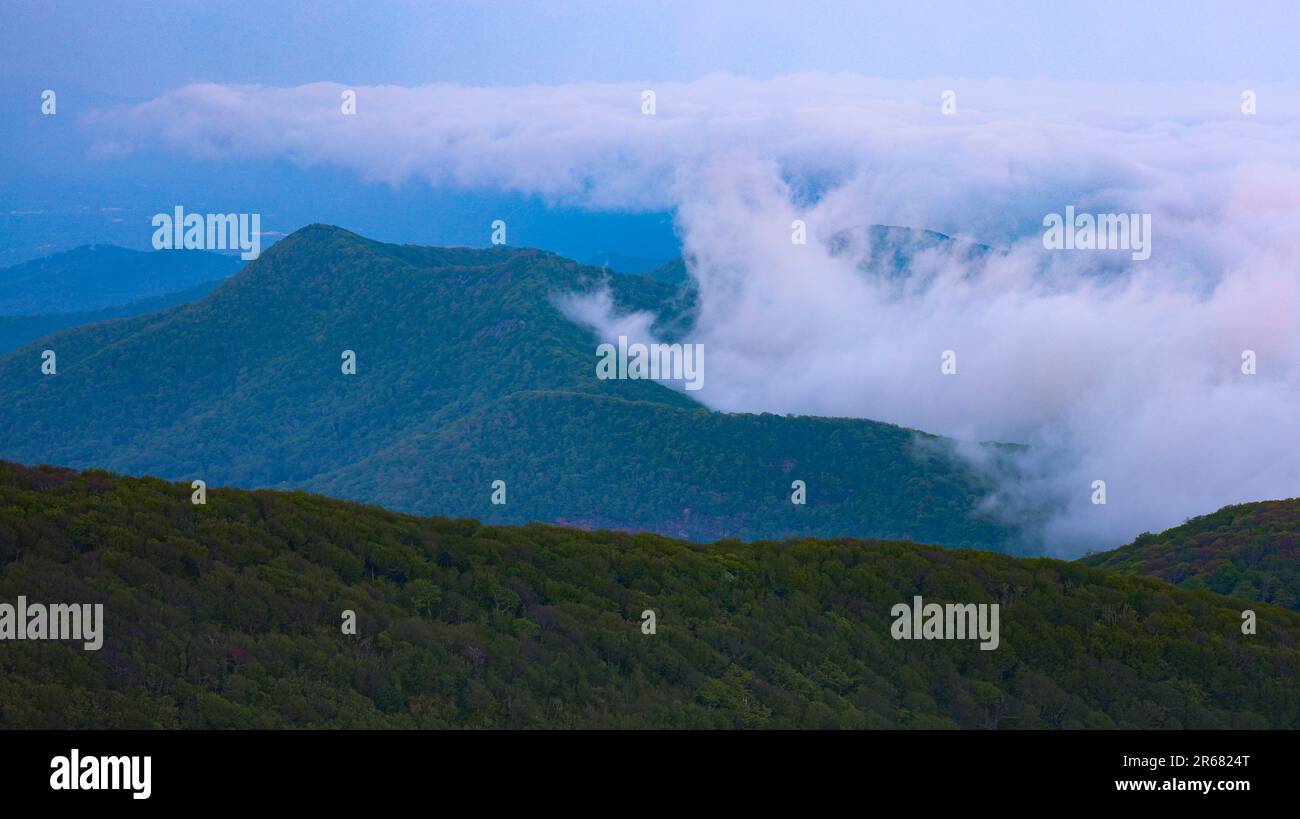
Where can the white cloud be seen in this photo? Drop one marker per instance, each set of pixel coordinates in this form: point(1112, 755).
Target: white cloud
point(1120, 370)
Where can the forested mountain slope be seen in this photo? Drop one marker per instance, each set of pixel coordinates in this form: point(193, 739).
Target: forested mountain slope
point(1249, 550)
point(467, 372)
point(229, 614)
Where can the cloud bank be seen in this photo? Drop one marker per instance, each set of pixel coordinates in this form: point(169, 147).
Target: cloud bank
point(1111, 369)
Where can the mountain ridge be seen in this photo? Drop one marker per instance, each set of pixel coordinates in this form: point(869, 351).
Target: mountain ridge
point(95, 277)
point(244, 388)
point(1250, 550)
point(228, 615)
point(17, 331)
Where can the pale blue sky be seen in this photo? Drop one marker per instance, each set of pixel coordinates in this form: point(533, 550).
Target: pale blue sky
point(135, 49)
point(53, 195)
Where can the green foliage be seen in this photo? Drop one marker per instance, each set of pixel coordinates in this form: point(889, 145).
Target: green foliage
point(467, 373)
point(1251, 550)
point(228, 616)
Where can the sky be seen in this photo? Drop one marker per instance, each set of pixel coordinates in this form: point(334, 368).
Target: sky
point(830, 114)
point(133, 50)
point(55, 195)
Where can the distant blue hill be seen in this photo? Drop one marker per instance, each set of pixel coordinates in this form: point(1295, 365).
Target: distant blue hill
point(96, 277)
point(620, 263)
point(16, 331)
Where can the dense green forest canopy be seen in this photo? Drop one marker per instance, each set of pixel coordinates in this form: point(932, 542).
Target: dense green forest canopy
point(1249, 550)
point(228, 614)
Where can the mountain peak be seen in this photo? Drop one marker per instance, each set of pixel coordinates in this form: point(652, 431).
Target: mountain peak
point(418, 376)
